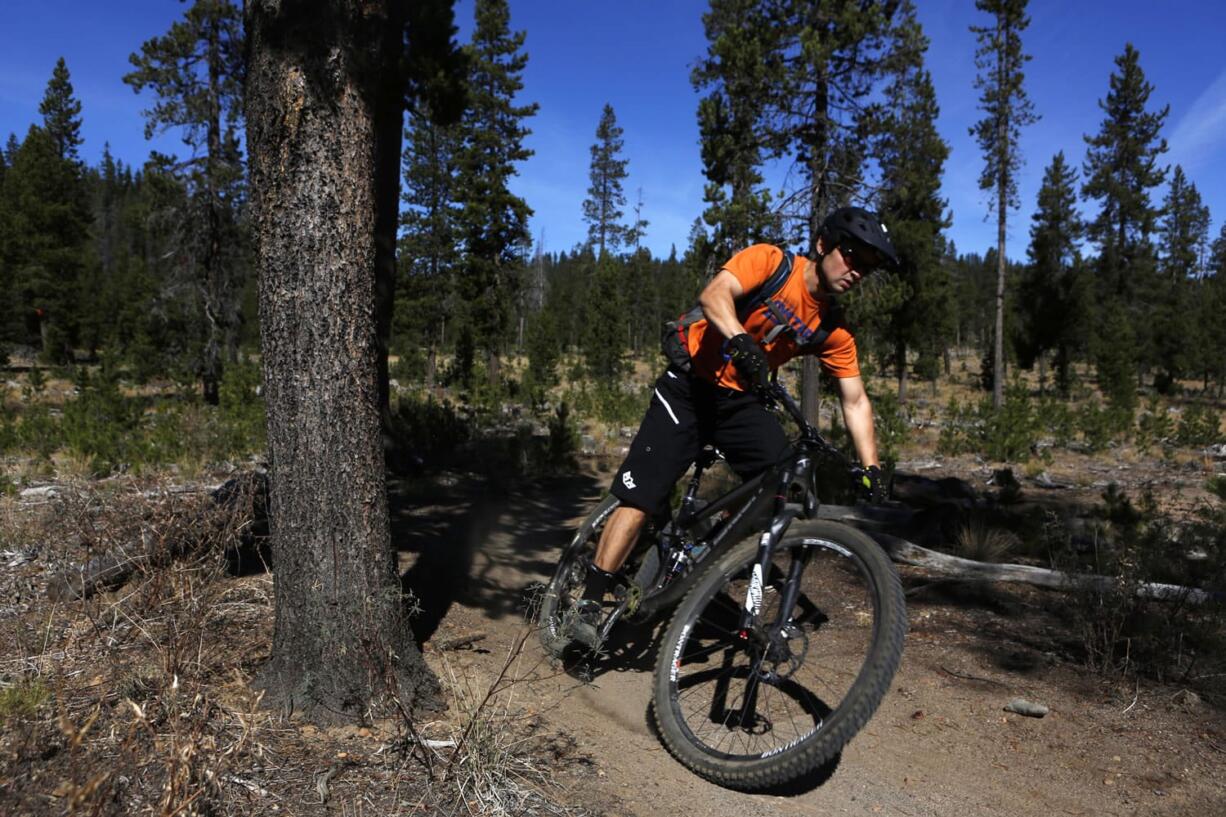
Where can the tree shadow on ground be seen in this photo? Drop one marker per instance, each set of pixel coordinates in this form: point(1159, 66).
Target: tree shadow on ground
point(482, 540)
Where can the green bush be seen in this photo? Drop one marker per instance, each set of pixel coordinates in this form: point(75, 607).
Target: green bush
point(610, 403)
point(1007, 435)
point(38, 431)
point(100, 424)
point(1101, 425)
point(960, 432)
point(1056, 418)
point(22, 700)
point(242, 420)
point(1011, 432)
point(1154, 426)
point(1199, 425)
point(1123, 632)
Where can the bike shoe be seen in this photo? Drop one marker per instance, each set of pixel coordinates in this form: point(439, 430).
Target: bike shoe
point(582, 622)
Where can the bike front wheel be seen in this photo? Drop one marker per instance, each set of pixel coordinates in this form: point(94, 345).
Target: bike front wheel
point(756, 707)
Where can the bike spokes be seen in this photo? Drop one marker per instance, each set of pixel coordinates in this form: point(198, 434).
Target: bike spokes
point(752, 692)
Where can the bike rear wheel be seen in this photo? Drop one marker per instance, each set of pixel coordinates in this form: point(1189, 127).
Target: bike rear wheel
point(566, 586)
point(761, 707)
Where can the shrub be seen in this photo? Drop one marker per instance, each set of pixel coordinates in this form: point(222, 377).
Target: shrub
point(22, 700)
point(1198, 426)
point(242, 426)
point(1125, 633)
point(610, 402)
point(1055, 418)
point(1154, 426)
point(1007, 435)
point(1100, 425)
point(891, 426)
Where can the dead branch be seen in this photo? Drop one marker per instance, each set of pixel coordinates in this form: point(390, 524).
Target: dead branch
point(235, 506)
point(909, 553)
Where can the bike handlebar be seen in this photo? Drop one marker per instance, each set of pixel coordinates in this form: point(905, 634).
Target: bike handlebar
point(778, 394)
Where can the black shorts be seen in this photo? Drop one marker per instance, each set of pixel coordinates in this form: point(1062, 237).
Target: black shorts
point(686, 413)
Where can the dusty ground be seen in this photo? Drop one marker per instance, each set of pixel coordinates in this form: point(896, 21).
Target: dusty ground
point(940, 745)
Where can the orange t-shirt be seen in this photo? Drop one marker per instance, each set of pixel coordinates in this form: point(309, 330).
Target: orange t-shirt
point(752, 266)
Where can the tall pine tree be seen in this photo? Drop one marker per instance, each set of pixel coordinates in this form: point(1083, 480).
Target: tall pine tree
point(493, 221)
point(429, 244)
point(1121, 168)
point(196, 72)
point(606, 195)
point(1052, 300)
point(1184, 235)
point(1007, 109)
point(736, 73)
point(912, 157)
point(1210, 304)
point(61, 113)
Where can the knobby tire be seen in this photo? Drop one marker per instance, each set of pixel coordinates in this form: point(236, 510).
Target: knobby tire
point(833, 669)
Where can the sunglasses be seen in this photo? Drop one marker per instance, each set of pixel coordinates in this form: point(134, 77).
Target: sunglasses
point(863, 259)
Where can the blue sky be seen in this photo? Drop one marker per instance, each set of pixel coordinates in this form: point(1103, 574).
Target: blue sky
point(637, 54)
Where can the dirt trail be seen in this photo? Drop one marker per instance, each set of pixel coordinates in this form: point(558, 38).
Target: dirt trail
point(941, 743)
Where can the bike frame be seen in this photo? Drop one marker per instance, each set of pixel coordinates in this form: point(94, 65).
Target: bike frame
point(745, 506)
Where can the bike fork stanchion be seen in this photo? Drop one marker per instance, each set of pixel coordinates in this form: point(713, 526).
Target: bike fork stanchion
point(791, 590)
point(766, 550)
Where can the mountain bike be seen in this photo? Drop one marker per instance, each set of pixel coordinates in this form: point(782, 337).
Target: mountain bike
point(788, 628)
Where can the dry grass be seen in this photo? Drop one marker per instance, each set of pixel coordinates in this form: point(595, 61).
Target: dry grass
point(139, 701)
point(979, 541)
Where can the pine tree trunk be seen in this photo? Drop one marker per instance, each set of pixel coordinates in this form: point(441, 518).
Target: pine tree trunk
point(810, 389)
point(901, 370)
point(998, 349)
point(1002, 210)
point(213, 289)
point(315, 112)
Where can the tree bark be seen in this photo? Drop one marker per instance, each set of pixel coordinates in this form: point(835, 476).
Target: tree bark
point(317, 108)
point(901, 370)
point(1002, 206)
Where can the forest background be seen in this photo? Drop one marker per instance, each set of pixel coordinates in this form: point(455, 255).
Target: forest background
point(1111, 259)
point(1058, 297)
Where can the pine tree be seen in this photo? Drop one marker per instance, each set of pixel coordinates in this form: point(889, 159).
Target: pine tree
point(1184, 230)
point(1051, 298)
point(61, 113)
point(912, 157)
point(494, 221)
point(429, 244)
point(342, 642)
point(603, 338)
point(1208, 359)
point(602, 209)
point(741, 61)
point(1121, 168)
point(818, 112)
point(196, 73)
point(1007, 109)
point(48, 230)
point(1184, 235)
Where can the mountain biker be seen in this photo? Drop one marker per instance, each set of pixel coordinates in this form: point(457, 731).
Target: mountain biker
point(716, 401)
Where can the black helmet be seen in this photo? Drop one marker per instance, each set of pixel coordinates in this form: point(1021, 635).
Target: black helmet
point(862, 226)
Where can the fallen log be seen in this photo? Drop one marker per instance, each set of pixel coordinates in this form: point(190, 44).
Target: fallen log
point(909, 553)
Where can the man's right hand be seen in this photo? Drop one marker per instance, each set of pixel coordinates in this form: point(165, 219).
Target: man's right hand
point(750, 362)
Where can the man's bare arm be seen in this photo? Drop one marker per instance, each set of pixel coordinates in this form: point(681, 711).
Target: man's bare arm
point(718, 301)
point(858, 417)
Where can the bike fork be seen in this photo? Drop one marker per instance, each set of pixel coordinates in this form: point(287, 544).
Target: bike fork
point(757, 581)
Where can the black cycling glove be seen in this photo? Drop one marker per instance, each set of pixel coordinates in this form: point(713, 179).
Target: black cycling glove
point(750, 361)
point(870, 484)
